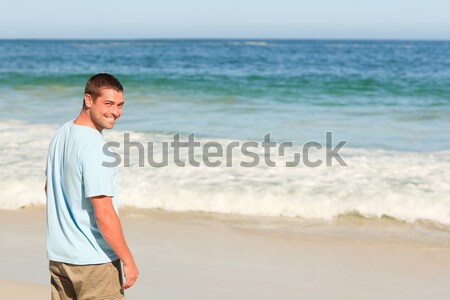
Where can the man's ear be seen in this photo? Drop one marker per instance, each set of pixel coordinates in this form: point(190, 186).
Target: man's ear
point(88, 100)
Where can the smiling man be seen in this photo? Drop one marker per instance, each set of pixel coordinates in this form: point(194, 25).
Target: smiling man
point(85, 243)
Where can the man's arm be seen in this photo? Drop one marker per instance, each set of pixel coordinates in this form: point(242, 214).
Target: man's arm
point(109, 225)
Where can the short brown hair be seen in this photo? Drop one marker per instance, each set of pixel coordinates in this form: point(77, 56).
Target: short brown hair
point(101, 81)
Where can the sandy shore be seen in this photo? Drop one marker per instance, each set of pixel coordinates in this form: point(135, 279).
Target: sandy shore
point(199, 256)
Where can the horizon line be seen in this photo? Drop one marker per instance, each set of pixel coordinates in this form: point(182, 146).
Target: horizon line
point(229, 38)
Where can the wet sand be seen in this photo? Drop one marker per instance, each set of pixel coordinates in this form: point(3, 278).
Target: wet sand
point(204, 256)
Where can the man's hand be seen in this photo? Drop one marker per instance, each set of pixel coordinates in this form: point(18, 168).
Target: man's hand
point(131, 274)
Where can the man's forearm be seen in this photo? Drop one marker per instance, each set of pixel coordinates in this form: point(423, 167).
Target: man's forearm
point(111, 229)
point(109, 225)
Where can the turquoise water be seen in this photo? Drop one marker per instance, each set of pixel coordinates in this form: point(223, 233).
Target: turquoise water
point(389, 99)
point(375, 94)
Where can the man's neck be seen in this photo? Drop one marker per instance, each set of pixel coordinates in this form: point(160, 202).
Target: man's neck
point(84, 119)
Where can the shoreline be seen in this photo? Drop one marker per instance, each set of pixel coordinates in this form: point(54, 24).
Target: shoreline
point(196, 255)
point(347, 227)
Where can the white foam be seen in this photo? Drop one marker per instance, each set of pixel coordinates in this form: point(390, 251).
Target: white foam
point(256, 43)
point(23, 154)
point(251, 43)
point(408, 186)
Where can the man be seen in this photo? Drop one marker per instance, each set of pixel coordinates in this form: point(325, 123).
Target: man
point(85, 243)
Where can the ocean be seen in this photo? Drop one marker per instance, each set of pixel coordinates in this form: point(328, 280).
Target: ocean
point(389, 100)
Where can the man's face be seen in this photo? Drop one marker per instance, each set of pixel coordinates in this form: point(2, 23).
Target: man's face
point(106, 109)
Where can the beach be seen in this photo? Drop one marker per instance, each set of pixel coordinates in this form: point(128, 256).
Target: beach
point(375, 225)
point(204, 256)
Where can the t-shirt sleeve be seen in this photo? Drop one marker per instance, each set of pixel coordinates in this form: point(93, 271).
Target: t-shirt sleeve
point(98, 180)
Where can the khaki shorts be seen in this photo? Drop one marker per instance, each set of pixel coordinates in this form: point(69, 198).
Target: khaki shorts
point(86, 282)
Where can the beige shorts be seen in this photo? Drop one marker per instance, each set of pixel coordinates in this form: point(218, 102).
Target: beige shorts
point(86, 282)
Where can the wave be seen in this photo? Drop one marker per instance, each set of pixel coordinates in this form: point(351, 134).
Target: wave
point(407, 186)
point(318, 89)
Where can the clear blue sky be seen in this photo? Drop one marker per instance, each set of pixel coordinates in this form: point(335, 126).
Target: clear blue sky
point(373, 19)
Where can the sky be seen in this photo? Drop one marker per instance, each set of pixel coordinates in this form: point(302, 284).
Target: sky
point(135, 19)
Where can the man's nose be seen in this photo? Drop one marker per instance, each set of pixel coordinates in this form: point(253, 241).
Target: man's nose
point(115, 112)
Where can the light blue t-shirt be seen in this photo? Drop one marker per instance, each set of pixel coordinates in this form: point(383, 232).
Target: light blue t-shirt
point(75, 173)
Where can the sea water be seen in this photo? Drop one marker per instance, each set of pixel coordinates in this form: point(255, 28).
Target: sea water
point(389, 100)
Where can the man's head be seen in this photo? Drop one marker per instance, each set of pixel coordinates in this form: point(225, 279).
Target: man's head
point(103, 100)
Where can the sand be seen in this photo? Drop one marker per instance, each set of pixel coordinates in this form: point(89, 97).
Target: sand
point(204, 256)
